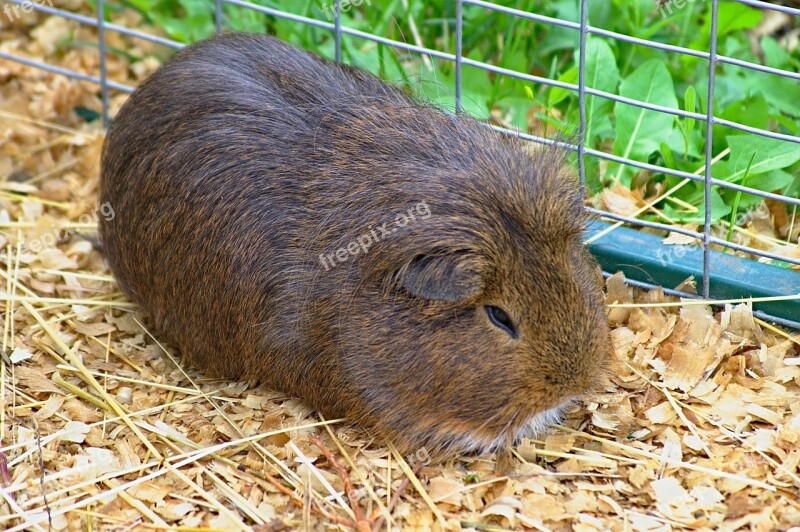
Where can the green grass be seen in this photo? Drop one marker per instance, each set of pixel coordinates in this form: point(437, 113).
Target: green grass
point(672, 80)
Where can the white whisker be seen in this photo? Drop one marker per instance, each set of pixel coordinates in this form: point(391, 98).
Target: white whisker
point(540, 422)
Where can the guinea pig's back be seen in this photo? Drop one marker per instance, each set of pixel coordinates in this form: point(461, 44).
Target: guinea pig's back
point(208, 171)
point(241, 160)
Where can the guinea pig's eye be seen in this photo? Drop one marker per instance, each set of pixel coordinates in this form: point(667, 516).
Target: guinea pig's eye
point(501, 319)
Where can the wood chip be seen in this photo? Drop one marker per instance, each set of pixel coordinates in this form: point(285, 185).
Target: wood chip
point(622, 459)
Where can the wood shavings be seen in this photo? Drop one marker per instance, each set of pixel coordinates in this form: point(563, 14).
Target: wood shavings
point(763, 413)
point(663, 413)
point(687, 367)
point(19, 354)
point(680, 239)
point(35, 380)
point(74, 431)
point(621, 200)
point(699, 428)
point(446, 490)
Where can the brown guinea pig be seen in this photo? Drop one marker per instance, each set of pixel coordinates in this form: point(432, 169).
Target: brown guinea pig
point(286, 219)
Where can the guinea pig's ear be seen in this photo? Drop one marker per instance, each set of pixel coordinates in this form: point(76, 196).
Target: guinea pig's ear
point(449, 277)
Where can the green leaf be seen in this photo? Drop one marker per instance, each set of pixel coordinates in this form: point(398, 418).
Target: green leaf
point(593, 182)
point(690, 106)
point(639, 132)
point(776, 55)
point(766, 154)
point(750, 111)
point(601, 74)
point(776, 180)
point(558, 38)
point(734, 16)
point(781, 93)
point(472, 478)
point(793, 189)
point(737, 199)
point(557, 94)
point(719, 209)
point(791, 126)
point(773, 181)
point(677, 142)
point(669, 156)
point(731, 17)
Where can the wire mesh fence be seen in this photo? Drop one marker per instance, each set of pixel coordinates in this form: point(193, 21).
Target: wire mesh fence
point(331, 21)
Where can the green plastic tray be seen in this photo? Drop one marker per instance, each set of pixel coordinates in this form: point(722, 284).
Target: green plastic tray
point(642, 257)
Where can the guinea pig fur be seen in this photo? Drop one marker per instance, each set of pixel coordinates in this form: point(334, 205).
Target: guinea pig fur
point(286, 219)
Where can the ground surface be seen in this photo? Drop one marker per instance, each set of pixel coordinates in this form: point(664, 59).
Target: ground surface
point(102, 428)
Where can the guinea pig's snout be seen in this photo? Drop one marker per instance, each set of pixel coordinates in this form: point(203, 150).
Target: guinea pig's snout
point(577, 355)
point(573, 375)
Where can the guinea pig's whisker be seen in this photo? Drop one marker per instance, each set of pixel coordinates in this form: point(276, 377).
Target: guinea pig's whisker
point(466, 443)
point(541, 421)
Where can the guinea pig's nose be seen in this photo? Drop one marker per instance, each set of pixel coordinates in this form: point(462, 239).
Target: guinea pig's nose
point(574, 373)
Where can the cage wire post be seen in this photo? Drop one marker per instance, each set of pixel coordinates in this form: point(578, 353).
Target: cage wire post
point(67, 73)
point(708, 272)
point(337, 32)
point(459, 50)
point(712, 76)
point(582, 92)
point(101, 48)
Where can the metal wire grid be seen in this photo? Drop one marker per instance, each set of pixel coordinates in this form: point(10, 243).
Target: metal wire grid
point(460, 61)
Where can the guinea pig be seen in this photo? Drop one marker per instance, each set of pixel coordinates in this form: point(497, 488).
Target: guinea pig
point(286, 219)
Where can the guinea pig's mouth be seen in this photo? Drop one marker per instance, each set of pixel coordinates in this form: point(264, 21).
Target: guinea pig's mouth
point(533, 427)
point(541, 421)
